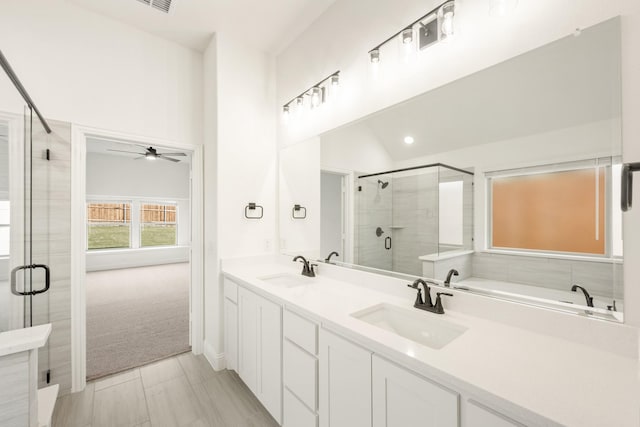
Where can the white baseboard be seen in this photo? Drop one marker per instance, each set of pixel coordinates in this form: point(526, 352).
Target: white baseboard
point(216, 360)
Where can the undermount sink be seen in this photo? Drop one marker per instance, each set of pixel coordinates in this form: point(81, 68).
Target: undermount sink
point(423, 328)
point(286, 280)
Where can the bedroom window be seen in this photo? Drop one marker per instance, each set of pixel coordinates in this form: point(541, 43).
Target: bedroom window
point(158, 224)
point(108, 225)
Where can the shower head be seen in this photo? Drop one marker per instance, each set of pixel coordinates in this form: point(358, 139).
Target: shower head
point(383, 184)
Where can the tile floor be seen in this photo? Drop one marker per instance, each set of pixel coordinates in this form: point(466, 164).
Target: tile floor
point(180, 391)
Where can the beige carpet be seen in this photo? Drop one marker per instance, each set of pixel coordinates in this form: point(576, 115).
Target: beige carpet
point(136, 316)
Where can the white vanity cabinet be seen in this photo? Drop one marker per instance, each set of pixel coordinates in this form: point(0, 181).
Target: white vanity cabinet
point(344, 383)
point(231, 324)
point(300, 371)
point(260, 349)
point(404, 399)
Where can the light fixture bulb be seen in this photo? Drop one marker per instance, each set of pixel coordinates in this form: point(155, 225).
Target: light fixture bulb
point(150, 156)
point(285, 112)
point(315, 96)
point(409, 140)
point(300, 102)
point(407, 36)
point(335, 80)
point(446, 15)
point(374, 56)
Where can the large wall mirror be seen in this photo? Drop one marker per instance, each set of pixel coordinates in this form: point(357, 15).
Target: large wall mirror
point(509, 176)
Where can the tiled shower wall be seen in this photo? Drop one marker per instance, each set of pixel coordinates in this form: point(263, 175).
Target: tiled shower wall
point(52, 246)
point(603, 278)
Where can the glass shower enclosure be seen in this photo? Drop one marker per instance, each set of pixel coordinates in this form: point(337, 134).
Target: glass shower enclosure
point(407, 215)
point(25, 197)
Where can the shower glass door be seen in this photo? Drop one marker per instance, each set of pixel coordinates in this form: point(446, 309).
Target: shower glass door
point(30, 275)
point(374, 216)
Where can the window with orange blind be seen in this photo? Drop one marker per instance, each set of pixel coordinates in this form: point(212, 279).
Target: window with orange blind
point(560, 211)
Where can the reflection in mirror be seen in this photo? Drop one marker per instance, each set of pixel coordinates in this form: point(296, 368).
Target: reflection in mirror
point(4, 227)
point(520, 194)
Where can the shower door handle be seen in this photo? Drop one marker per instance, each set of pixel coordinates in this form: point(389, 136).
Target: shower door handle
point(47, 279)
point(626, 187)
point(387, 243)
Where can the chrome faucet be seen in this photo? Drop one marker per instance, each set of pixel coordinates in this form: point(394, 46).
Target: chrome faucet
point(307, 269)
point(588, 297)
point(427, 304)
point(328, 258)
point(452, 272)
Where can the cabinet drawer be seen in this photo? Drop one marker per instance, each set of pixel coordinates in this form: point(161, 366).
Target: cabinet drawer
point(296, 414)
point(301, 331)
point(301, 374)
point(230, 290)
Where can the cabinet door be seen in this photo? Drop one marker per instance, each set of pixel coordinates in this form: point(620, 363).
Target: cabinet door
point(345, 383)
point(404, 399)
point(231, 334)
point(248, 338)
point(479, 416)
point(270, 357)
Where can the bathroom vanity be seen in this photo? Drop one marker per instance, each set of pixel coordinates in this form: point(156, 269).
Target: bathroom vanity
point(347, 348)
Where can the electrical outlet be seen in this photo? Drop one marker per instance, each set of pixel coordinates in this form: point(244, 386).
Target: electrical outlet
point(267, 245)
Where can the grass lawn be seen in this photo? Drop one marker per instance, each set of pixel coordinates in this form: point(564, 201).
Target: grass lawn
point(158, 235)
point(117, 236)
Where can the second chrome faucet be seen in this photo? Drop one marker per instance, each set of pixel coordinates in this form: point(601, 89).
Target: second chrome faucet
point(427, 303)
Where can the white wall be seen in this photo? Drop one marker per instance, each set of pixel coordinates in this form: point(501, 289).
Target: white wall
point(300, 185)
point(86, 69)
point(354, 148)
point(342, 36)
point(240, 94)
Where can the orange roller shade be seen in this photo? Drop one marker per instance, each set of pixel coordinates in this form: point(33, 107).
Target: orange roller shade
point(556, 211)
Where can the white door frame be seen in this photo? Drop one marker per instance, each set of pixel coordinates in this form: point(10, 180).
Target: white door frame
point(15, 123)
point(79, 136)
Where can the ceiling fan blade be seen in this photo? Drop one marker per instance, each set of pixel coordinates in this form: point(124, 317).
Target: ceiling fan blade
point(122, 151)
point(172, 154)
point(141, 157)
point(167, 158)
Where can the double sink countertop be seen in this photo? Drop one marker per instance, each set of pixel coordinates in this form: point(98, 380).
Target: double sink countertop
point(521, 373)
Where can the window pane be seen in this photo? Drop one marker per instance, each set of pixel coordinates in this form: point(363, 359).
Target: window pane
point(556, 211)
point(109, 225)
point(158, 225)
point(4, 240)
point(4, 212)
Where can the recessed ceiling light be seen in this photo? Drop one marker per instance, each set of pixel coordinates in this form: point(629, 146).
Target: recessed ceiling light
point(409, 140)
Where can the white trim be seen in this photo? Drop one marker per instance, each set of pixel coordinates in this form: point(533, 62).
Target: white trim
point(78, 239)
point(15, 140)
point(216, 360)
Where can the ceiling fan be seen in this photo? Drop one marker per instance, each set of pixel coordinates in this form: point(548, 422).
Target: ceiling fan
point(151, 153)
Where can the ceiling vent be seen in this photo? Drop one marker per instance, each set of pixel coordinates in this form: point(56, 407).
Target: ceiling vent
point(162, 5)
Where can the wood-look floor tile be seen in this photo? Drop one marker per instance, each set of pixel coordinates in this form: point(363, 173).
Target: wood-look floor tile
point(75, 409)
point(161, 371)
point(174, 403)
point(121, 405)
point(196, 368)
point(120, 378)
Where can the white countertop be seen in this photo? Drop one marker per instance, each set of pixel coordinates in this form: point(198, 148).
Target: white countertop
point(561, 381)
point(19, 340)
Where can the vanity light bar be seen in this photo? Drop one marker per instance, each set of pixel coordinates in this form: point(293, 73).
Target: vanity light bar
point(443, 14)
point(316, 93)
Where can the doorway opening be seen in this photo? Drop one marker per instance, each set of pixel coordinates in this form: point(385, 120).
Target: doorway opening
point(336, 215)
point(138, 250)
